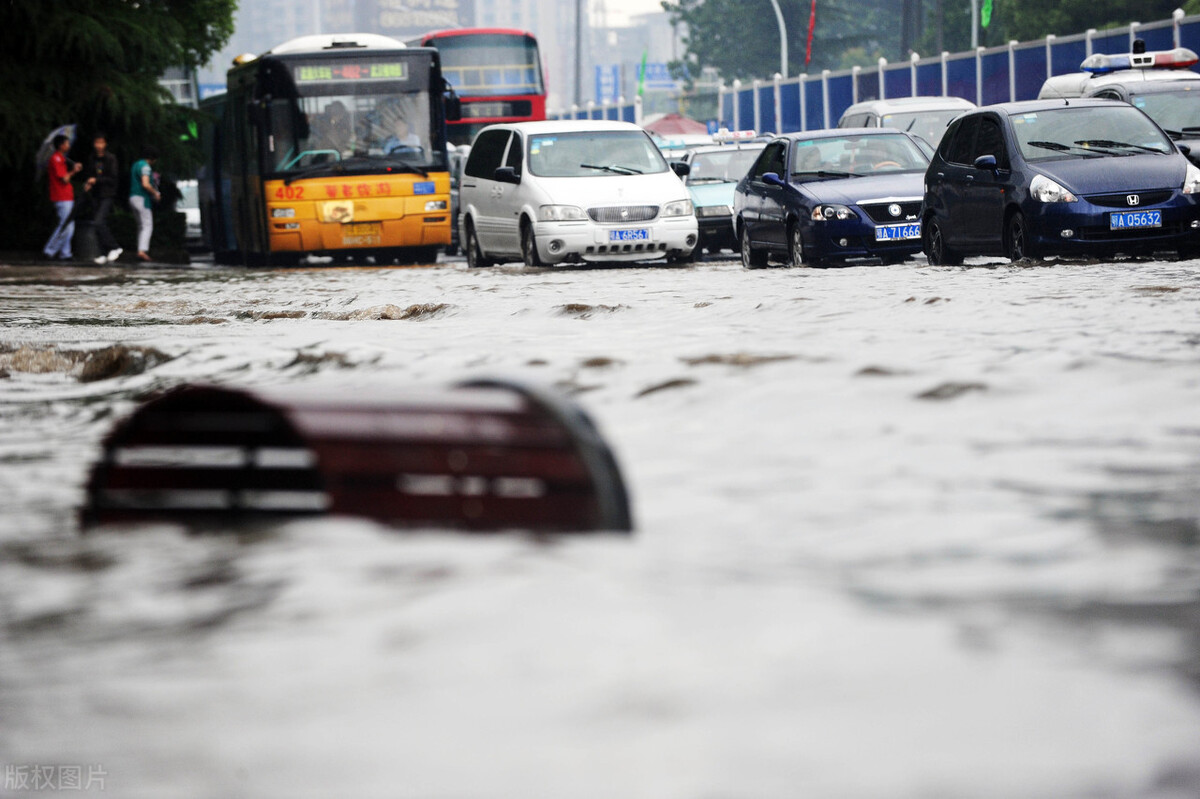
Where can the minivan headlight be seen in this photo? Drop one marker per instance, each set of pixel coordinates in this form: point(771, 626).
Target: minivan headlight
point(560, 213)
point(1045, 190)
point(678, 208)
point(1191, 180)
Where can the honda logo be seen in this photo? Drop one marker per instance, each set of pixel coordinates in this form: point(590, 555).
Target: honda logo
point(1132, 199)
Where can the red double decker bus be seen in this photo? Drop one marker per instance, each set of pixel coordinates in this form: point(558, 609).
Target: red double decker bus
point(497, 73)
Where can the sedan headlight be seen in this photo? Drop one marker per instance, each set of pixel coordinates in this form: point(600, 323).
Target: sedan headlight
point(1045, 190)
point(714, 210)
point(678, 208)
point(1191, 180)
point(824, 213)
point(561, 213)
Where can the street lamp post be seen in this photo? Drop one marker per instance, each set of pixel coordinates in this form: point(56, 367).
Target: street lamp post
point(783, 54)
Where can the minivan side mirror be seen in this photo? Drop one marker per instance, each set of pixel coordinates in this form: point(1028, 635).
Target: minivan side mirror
point(506, 174)
point(773, 179)
point(681, 169)
point(986, 162)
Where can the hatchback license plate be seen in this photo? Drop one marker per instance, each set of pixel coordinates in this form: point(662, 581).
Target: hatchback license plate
point(639, 234)
point(1126, 220)
point(898, 232)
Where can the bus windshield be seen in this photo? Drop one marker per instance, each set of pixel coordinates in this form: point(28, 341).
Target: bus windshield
point(372, 115)
point(491, 64)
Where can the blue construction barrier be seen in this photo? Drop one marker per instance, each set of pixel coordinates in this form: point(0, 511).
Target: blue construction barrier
point(1014, 71)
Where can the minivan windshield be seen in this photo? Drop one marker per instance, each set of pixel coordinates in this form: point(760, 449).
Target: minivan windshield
point(1087, 132)
point(594, 153)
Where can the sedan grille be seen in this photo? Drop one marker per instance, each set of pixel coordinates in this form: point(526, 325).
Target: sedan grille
point(620, 214)
point(881, 212)
point(1122, 200)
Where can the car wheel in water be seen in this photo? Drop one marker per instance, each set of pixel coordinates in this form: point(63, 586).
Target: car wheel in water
point(475, 257)
point(935, 245)
point(795, 246)
point(751, 258)
point(529, 252)
point(1016, 238)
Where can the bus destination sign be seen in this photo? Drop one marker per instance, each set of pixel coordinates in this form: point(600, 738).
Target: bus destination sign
point(351, 71)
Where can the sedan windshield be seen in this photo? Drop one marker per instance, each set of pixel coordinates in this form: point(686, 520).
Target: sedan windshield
point(1087, 132)
point(722, 166)
point(856, 155)
point(1176, 111)
point(581, 154)
point(929, 125)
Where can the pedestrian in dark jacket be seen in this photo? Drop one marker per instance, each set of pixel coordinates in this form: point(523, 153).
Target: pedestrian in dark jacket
point(100, 173)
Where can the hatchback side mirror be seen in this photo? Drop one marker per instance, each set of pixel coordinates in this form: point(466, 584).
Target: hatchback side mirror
point(1183, 148)
point(681, 169)
point(986, 162)
point(773, 179)
point(506, 174)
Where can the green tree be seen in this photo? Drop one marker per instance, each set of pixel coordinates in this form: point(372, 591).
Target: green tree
point(95, 63)
point(740, 38)
point(1026, 20)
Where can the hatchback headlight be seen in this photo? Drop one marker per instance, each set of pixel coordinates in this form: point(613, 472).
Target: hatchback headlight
point(678, 208)
point(824, 213)
point(714, 210)
point(560, 213)
point(1045, 190)
point(1191, 180)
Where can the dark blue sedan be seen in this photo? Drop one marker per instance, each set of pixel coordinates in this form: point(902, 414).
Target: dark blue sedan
point(1055, 177)
point(832, 196)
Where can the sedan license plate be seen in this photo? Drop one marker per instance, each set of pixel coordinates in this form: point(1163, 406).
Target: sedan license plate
point(898, 232)
point(638, 234)
point(1127, 220)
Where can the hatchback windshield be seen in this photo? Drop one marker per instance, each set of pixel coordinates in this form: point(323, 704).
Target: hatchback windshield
point(856, 155)
point(592, 153)
point(1087, 132)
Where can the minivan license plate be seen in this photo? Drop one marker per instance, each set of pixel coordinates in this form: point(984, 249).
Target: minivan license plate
point(1126, 220)
point(638, 234)
point(898, 232)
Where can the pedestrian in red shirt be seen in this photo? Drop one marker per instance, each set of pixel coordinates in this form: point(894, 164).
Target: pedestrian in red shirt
point(62, 194)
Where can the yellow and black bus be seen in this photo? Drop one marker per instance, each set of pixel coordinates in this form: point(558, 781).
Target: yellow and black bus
point(330, 145)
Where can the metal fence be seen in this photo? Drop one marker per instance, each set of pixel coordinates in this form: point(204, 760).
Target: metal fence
point(1014, 71)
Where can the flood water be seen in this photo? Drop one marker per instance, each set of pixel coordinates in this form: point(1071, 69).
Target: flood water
point(901, 531)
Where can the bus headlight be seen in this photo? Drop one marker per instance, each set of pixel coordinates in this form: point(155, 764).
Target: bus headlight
point(677, 208)
point(1191, 180)
point(435, 205)
point(1045, 190)
point(283, 213)
point(560, 213)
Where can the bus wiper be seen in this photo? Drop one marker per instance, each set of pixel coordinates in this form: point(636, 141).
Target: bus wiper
point(355, 165)
point(620, 170)
point(1123, 144)
point(1059, 147)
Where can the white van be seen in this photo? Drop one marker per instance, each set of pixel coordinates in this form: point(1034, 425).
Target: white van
point(587, 190)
